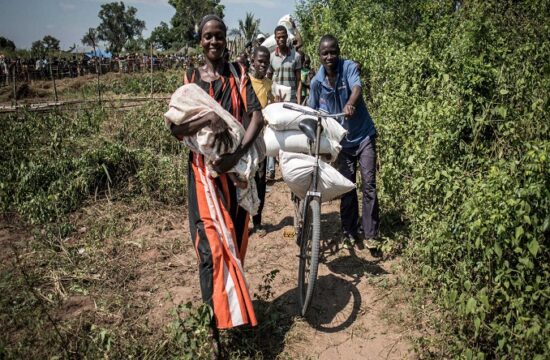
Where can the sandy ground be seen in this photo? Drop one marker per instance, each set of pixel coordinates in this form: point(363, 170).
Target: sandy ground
point(349, 314)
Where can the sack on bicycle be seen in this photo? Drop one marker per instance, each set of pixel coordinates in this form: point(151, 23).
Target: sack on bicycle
point(296, 141)
point(280, 119)
point(297, 171)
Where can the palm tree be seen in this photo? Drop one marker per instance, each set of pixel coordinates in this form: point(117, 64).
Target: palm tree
point(234, 32)
point(250, 27)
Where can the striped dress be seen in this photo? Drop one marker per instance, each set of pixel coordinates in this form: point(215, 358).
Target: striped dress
point(218, 225)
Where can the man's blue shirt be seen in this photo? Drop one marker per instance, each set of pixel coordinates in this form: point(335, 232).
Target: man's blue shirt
point(323, 97)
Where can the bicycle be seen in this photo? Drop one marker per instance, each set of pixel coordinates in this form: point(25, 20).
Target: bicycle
point(307, 212)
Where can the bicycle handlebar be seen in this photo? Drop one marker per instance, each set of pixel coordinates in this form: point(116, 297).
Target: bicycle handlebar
point(315, 113)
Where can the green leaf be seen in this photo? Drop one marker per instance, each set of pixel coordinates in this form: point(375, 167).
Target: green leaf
point(504, 91)
point(519, 232)
point(471, 306)
point(498, 250)
point(533, 247)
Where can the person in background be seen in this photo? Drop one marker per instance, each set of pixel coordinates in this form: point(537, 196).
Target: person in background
point(242, 59)
point(306, 75)
point(260, 39)
point(337, 88)
point(218, 225)
point(285, 66)
point(262, 87)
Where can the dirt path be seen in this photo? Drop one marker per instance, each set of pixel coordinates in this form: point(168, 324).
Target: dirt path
point(348, 315)
point(153, 269)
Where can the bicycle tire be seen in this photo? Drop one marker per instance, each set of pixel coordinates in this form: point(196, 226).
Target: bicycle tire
point(309, 253)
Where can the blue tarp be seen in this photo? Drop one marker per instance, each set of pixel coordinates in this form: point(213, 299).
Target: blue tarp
point(99, 53)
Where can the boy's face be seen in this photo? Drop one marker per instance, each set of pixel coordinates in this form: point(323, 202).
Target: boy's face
point(261, 63)
point(329, 54)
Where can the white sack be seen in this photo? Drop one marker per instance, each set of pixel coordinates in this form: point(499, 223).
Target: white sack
point(296, 141)
point(188, 103)
point(297, 171)
point(283, 91)
point(280, 118)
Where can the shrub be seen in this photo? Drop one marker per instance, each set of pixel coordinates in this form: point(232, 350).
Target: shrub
point(53, 163)
point(459, 93)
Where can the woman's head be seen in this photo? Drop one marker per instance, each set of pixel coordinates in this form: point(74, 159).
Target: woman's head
point(212, 31)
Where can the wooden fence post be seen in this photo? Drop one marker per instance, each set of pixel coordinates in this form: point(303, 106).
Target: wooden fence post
point(151, 58)
point(53, 79)
point(14, 86)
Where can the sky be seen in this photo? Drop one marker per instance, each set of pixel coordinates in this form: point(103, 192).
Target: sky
point(25, 21)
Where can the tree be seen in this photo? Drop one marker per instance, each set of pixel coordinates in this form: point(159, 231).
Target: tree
point(188, 15)
point(234, 32)
point(6, 44)
point(50, 43)
point(90, 38)
point(137, 45)
point(162, 36)
point(38, 49)
point(41, 48)
point(118, 25)
point(250, 27)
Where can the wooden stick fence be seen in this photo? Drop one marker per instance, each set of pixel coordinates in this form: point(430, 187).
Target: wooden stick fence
point(73, 104)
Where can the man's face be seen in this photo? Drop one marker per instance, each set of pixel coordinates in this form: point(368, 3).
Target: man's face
point(329, 54)
point(281, 38)
point(261, 63)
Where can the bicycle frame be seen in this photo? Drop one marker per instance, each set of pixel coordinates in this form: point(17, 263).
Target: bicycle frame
point(308, 221)
point(312, 192)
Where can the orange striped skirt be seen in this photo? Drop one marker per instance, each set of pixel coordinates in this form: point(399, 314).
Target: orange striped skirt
point(219, 229)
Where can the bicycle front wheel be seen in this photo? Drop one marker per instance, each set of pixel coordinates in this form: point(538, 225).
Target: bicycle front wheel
point(309, 253)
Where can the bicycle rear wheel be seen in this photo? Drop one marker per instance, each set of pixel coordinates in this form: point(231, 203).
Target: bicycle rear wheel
point(309, 253)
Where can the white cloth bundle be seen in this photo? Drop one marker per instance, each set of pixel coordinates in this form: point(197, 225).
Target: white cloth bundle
point(297, 171)
point(190, 103)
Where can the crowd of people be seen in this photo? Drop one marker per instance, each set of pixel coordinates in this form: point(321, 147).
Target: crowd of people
point(43, 68)
point(218, 225)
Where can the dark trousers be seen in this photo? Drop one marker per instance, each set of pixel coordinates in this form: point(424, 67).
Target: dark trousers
point(260, 185)
point(363, 155)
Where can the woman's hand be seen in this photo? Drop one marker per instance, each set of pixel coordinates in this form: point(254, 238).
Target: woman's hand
point(227, 161)
point(216, 123)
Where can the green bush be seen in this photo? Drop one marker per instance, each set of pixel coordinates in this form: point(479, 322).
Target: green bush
point(164, 82)
point(52, 164)
point(459, 95)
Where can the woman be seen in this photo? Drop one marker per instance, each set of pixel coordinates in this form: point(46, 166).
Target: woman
point(218, 225)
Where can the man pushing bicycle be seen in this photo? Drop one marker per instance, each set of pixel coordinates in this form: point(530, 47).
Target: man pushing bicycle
point(337, 88)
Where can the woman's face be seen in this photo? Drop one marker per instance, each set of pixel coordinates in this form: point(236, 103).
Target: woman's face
point(213, 40)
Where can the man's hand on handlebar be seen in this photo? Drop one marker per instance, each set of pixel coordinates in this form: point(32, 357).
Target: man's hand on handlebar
point(349, 110)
